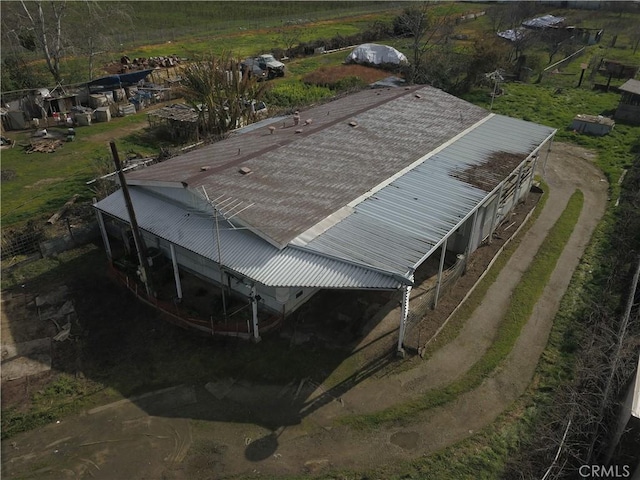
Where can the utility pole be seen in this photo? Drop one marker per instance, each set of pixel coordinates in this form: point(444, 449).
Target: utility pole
point(137, 238)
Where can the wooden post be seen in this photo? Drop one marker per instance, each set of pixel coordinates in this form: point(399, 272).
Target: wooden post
point(137, 238)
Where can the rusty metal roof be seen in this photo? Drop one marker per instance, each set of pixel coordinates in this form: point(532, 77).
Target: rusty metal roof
point(397, 226)
point(302, 174)
point(356, 199)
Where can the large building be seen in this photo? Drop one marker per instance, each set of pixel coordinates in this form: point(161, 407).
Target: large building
point(356, 193)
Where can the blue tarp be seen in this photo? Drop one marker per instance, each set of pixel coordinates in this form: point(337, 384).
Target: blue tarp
point(121, 80)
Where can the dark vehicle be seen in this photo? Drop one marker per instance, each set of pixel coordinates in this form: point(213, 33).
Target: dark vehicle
point(263, 66)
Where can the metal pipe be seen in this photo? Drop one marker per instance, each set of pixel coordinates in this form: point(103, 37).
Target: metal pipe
point(403, 316)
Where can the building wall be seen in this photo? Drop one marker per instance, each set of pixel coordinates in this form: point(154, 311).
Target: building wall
point(277, 300)
point(494, 210)
point(628, 113)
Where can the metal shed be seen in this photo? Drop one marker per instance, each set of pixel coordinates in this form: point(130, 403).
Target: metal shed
point(356, 195)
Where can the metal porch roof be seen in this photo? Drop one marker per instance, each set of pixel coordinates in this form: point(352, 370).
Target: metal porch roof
point(397, 226)
point(241, 250)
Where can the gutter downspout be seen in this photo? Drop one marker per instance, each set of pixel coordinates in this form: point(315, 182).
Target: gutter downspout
point(442, 254)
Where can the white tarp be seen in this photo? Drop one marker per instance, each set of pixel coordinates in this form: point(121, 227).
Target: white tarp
point(376, 55)
point(543, 22)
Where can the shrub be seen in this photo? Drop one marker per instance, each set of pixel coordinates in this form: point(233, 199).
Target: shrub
point(296, 94)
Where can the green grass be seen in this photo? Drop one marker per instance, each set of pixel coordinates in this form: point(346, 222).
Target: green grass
point(557, 108)
point(524, 297)
point(45, 181)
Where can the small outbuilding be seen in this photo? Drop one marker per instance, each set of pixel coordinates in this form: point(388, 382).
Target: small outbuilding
point(629, 108)
point(592, 124)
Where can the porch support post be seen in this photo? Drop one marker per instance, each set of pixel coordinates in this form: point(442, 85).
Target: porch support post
point(472, 236)
point(176, 272)
point(533, 174)
point(516, 194)
point(442, 254)
point(105, 237)
point(254, 308)
point(533, 163)
point(406, 292)
point(546, 158)
point(494, 220)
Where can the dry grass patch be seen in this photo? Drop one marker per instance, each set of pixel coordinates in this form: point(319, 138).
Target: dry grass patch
point(330, 76)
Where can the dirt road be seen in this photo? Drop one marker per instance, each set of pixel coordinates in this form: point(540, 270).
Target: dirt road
point(273, 430)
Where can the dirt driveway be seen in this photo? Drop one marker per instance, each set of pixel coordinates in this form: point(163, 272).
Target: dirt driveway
point(268, 430)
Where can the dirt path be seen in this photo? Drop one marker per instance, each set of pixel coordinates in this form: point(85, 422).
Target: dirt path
point(244, 428)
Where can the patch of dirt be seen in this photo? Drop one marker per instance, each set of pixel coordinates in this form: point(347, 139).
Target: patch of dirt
point(45, 181)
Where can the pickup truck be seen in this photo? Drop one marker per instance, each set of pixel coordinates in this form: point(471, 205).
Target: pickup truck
point(263, 67)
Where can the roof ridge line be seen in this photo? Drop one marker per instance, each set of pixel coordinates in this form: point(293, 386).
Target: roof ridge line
point(418, 162)
point(237, 161)
point(332, 219)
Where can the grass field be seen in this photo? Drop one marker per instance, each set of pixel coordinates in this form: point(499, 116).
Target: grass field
point(43, 182)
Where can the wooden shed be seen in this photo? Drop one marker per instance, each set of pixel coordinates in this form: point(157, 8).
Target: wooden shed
point(629, 107)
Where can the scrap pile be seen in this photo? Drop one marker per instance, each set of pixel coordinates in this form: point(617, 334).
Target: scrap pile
point(45, 145)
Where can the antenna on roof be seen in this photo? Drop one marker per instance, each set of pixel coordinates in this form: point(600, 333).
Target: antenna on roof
point(217, 230)
point(227, 208)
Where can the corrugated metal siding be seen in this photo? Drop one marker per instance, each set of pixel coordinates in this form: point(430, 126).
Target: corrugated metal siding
point(241, 250)
point(393, 229)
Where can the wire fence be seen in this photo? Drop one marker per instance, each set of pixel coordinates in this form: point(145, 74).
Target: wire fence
point(33, 241)
point(23, 241)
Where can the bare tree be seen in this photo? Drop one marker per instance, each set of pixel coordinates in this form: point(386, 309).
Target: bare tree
point(57, 29)
point(497, 15)
point(425, 29)
point(45, 24)
point(92, 35)
point(289, 34)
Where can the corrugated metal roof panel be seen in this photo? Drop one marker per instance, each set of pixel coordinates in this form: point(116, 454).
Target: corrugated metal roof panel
point(300, 178)
point(394, 228)
point(241, 250)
